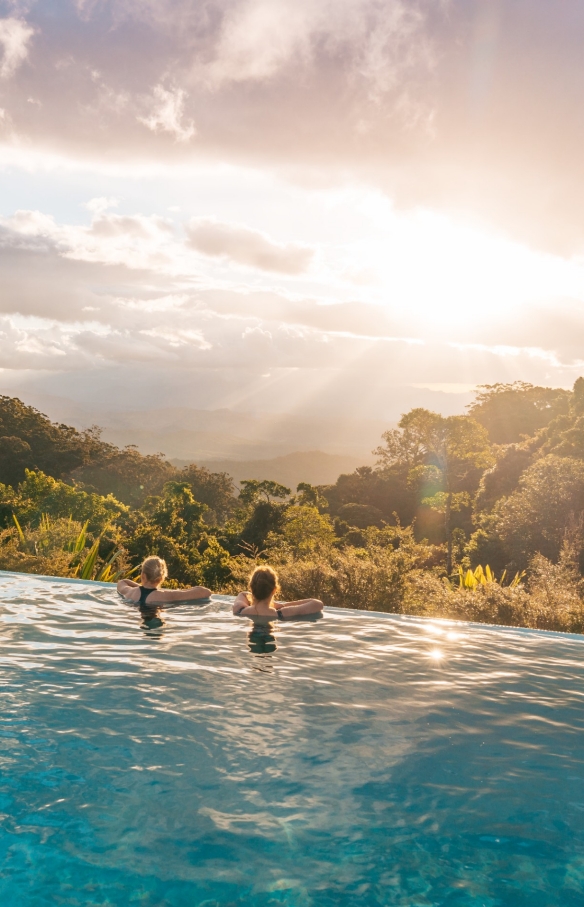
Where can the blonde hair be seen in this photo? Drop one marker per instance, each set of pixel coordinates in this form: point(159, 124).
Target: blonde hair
point(263, 582)
point(154, 569)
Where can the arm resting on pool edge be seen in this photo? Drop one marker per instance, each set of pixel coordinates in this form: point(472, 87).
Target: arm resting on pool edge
point(179, 595)
point(242, 601)
point(304, 606)
point(124, 586)
point(161, 596)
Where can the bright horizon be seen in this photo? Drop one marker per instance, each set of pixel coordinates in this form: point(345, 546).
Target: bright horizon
point(308, 207)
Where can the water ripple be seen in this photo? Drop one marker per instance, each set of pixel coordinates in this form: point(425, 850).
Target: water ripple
point(361, 759)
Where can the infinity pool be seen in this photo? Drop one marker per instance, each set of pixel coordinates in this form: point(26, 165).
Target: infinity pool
point(361, 759)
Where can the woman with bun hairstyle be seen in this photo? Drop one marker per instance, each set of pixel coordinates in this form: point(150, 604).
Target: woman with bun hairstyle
point(259, 601)
point(148, 591)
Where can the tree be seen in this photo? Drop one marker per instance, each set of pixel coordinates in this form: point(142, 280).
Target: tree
point(266, 517)
point(215, 489)
point(310, 494)
point(254, 490)
point(503, 478)
point(28, 440)
point(444, 451)
point(510, 412)
point(127, 474)
point(304, 530)
point(535, 519)
point(384, 489)
point(360, 515)
point(41, 495)
point(215, 564)
point(15, 456)
point(177, 514)
point(171, 526)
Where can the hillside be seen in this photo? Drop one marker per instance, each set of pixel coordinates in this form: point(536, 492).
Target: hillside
point(312, 466)
point(195, 435)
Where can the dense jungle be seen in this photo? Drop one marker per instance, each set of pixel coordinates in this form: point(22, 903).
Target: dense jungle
point(477, 516)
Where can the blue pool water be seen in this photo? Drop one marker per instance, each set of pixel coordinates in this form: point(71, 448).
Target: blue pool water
point(362, 759)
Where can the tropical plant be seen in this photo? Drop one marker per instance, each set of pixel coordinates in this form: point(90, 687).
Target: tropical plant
point(472, 579)
point(68, 540)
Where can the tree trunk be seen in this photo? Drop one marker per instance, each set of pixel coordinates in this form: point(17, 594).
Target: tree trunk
point(448, 531)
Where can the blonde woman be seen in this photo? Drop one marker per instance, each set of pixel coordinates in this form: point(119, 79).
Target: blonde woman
point(259, 601)
point(147, 592)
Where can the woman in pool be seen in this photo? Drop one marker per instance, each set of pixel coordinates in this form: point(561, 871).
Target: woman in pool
point(148, 591)
point(259, 602)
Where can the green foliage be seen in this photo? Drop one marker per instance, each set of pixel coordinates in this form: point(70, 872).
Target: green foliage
point(59, 547)
point(215, 565)
point(510, 412)
point(171, 526)
point(361, 515)
point(303, 531)
point(263, 519)
point(537, 516)
point(371, 578)
point(448, 452)
point(28, 440)
point(472, 579)
point(424, 438)
point(15, 455)
point(40, 494)
point(442, 500)
point(214, 489)
point(127, 474)
point(310, 494)
point(361, 542)
point(387, 491)
point(252, 491)
point(176, 513)
point(503, 478)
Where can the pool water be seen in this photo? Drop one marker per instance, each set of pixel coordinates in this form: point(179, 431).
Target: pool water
point(361, 759)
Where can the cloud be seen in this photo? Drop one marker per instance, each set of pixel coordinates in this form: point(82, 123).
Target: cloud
point(247, 247)
point(101, 204)
point(259, 39)
point(15, 35)
point(243, 70)
point(123, 298)
point(168, 114)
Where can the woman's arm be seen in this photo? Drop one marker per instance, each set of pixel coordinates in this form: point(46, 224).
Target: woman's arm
point(242, 601)
point(304, 606)
point(124, 585)
point(179, 595)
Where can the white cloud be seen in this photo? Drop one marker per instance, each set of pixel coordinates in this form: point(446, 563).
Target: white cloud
point(15, 35)
point(101, 204)
point(248, 247)
point(178, 338)
point(167, 114)
point(259, 38)
point(127, 293)
point(417, 96)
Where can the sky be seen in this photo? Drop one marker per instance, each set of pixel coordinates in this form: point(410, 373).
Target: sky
point(319, 207)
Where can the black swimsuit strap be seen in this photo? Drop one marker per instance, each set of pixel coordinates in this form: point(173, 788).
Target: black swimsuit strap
point(144, 593)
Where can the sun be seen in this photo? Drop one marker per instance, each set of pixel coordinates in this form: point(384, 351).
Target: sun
point(442, 276)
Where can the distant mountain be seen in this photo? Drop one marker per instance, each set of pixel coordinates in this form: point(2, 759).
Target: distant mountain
point(211, 435)
point(312, 466)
